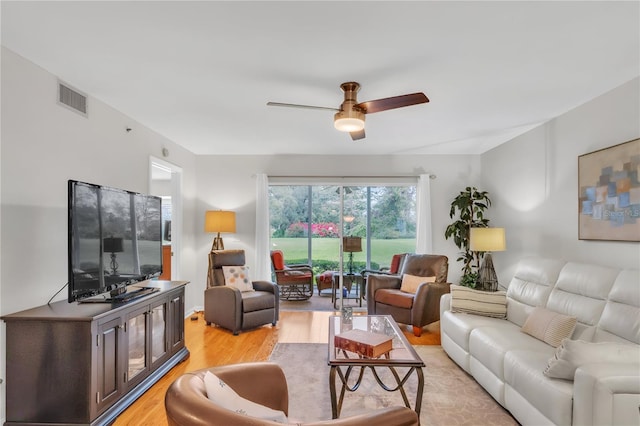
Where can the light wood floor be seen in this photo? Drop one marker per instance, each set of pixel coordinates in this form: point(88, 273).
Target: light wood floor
point(210, 346)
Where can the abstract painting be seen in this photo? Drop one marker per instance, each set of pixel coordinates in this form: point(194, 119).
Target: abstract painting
point(609, 193)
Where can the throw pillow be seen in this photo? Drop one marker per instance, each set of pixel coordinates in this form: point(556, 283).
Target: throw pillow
point(221, 394)
point(238, 277)
point(410, 283)
point(572, 354)
point(548, 326)
point(486, 303)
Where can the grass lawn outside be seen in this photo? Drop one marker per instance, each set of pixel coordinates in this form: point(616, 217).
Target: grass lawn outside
point(328, 250)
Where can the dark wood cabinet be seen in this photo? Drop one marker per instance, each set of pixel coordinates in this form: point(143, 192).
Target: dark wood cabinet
point(85, 363)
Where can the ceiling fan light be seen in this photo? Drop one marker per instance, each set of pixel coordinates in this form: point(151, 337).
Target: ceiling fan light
point(349, 124)
point(349, 121)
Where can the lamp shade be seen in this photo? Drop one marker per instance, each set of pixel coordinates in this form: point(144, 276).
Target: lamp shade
point(112, 245)
point(352, 244)
point(487, 239)
point(219, 221)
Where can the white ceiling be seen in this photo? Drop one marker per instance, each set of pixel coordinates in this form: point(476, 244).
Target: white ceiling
point(201, 73)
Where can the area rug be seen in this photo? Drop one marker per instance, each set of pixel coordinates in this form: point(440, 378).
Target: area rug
point(451, 396)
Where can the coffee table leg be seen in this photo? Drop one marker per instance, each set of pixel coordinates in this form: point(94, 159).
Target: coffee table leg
point(332, 392)
point(400, 386)
point(420, 389)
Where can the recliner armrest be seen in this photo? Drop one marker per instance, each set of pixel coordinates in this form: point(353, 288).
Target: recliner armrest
point(376, 282)
point(426, 305)
point(223, 306)
point(265, 286)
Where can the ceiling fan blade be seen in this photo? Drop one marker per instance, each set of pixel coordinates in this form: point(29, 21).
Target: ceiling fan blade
point(394, 102)
point(357, 135)
point(280, 104)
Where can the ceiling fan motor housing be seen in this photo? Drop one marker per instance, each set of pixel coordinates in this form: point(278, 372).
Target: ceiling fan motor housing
point(350, 118)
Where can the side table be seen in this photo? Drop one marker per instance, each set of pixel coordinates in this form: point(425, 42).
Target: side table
point(348, 281)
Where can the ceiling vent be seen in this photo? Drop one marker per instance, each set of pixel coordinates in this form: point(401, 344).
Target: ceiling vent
point(72, 98)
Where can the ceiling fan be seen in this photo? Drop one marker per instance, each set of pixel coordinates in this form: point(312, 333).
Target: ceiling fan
point(350, 116)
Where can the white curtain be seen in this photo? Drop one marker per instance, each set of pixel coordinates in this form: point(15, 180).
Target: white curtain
point(424, 241)
point(263, 260)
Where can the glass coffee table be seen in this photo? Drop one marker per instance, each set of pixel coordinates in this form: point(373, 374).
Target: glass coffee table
point(343, 363)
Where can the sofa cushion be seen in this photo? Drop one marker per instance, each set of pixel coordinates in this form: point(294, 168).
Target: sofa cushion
point(485, 303)
point(459, 326)
point(221, 394)
point(548, 326)
point(531, 286)
point(394, 297)
point(623, 303)
point(552, 397)
point(581, 292)
point(572, 354)
point(489, 345)
point(410, 283)
point(237, 277)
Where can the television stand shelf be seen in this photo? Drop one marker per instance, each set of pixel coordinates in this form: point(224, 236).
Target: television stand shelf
point(85, 363)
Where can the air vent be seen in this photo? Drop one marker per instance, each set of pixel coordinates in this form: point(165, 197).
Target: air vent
point(72, 98)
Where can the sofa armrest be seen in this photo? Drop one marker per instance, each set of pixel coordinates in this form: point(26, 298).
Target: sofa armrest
point(607, 394)
point(445, 303)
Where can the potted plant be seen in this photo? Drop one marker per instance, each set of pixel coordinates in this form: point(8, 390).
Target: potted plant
point(469, 207)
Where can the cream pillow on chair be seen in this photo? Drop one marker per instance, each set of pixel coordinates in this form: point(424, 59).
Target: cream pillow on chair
point(410, 283)
point(221, 394)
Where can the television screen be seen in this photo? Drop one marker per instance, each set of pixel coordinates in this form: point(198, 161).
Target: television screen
point(115, 239)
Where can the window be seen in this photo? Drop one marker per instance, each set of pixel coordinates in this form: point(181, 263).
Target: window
point(305, 223)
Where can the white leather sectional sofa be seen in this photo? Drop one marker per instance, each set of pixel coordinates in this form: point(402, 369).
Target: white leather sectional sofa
point(509, 363)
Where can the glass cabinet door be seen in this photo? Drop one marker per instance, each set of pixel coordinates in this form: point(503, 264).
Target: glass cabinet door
point(137, 339)
point(158, 331)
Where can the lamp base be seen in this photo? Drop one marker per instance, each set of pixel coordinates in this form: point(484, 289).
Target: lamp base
point(218, 244)
point(487, 278)
point(114, 264)
point(350, 263)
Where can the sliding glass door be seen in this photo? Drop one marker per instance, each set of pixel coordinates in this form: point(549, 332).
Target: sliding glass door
point(305, 223)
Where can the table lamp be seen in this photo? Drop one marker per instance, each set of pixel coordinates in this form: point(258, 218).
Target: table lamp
point(351, 245)
point(219, 221)
point(113, 245)
point(487, 240)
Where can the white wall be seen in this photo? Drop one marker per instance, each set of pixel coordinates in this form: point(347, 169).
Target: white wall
point(229, 183)
point(43, 145)
point(533, 183)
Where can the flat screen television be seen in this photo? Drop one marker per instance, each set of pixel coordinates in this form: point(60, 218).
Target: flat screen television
point(115, 239)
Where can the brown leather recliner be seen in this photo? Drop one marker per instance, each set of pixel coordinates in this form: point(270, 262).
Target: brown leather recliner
point(186, 401)
point(384, 296)
point(232, 309)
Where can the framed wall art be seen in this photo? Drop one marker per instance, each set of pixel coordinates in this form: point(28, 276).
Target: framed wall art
point(609, 193)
